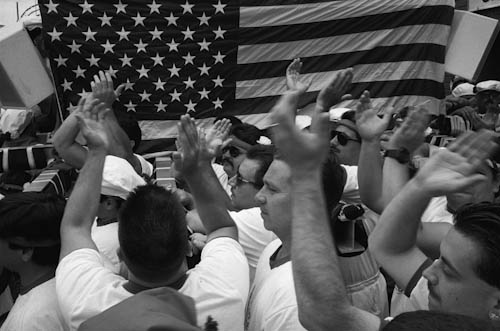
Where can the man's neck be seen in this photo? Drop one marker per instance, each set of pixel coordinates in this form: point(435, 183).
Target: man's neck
point(33, 275)
point(168, 281)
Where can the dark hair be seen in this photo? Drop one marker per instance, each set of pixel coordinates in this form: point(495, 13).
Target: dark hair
point(349, 115)
point(152, 232)
point(422, 320)
point(264, 155)
point(480, 223)
point(246, 132)
point(34, 217)
point(333, 181)
point(12, 181)
point(131, 127)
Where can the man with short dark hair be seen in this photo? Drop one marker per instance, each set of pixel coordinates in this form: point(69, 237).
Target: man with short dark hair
point(153, 239)
point(30, 246)
point(243, 136)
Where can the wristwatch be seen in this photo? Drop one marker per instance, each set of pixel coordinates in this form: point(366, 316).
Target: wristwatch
point(401, 155)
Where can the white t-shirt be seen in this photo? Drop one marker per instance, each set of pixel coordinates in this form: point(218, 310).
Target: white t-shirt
point(105, 238)
point(222, 177)
point(147, 168)
point(418, 300)
point(218, 285)
point(436, 211)
point(252, 235)
point(272, 304)
point(36, 310)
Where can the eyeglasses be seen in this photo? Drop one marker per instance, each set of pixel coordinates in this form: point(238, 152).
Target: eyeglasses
point(233, 151)
point(342, 138)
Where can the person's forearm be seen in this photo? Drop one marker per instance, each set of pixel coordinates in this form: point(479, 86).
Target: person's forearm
point(396, 231)
point(320, 289)
point(121, 142)
point(395, 175)
point(203, 184)
point(84, 200)
point(370, 175)
point(65, 142)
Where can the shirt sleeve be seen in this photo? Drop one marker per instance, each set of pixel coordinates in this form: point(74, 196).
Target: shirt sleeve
point(79, 275)
point(224, 258)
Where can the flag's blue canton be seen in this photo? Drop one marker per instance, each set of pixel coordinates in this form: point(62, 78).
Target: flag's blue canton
point(175, 57)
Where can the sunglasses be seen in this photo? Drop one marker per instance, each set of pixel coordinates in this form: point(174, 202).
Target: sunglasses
point(342, 138)
point(233, 151)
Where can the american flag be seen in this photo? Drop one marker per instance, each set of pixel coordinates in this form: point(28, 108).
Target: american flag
point(221, 57)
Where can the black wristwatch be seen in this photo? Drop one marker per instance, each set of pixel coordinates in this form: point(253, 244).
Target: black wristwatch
point(401, 155)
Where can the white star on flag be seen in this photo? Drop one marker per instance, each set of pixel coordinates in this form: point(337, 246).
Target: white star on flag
point(187, 8)
point(161, 106)
point(175, 95)
point(112, 71)
point(219, 7)
point(204, 69)
point(204, 45)
point(174, 71)
point(219, 33)
point(66, 85)
point(154, 7)
point(130, 106)
point(145, 96)
point(108, 47)
point(189, 83)
point(159, 84)
point(156, 34)
point(172, 19)
point(105, 20)
point(143, 72)
point(203, 94)
point(128, 85)
point(70, 19)
point(219, 58)
point(218, 81)
point(75, 48)
point(188, 58)
point(89, 34)
point(218, 103)
point(93, 60)
point(123, 34)
point(52, 7)
point(172, 45)
point(55, 35)
point(188, 34)
point(204, 19)
point(139, 20)
point(86, 7)
point(141, 46)
point(79, 72)
point(157, 59)
point(120, 7)
point(61, 61)
point(126, 60)
point(190, 106)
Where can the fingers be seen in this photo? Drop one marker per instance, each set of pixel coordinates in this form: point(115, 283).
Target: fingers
point(285, 109)
point(294, 67)
point(476, 147)
point(119, 90)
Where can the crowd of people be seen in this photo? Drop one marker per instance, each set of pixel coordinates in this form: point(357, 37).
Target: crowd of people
point(367, 220)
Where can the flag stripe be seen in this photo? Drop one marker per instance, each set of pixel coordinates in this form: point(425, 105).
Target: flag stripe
point(398, 53)
point(390, 71)
point(261, 16)
point(436, 34)
point(314, 30)
point(152, 129)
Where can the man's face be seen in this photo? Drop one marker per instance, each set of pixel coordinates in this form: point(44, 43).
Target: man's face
point(487, 99)
point(483, 190)
point(243, 187)
point(454, 286)
point(275, 200)
point(232, 156)
point(346, 145)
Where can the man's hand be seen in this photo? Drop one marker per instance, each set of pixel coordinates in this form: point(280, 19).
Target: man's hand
point(187, 157)
point(454, 169)
point(216, 136)
point(370, 126)
point(293, 81)
point(301, 150)
point(334, 90)
point(102, 89)
point(91, 117)
point(411, 133)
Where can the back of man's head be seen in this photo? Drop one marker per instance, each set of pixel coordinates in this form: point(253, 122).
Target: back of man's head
point(481, 224)
point(33, 220)
point(131, 127)
point(152, 232)
point(246, 132)
point(264, 154)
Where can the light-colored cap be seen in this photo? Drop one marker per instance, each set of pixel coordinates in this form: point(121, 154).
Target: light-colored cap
point(303, 121)
point(336, 113)
point(119, 178)
point(463, 90)
point(488, 85)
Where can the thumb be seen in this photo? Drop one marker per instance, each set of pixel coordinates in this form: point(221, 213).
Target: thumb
point(119, 90)
point(388, 115)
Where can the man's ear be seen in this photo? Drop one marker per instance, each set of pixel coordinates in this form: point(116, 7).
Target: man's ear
point(26, 254)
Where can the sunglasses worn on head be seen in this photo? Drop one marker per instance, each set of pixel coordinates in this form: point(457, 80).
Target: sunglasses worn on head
point(233, 151)
point(342, 138)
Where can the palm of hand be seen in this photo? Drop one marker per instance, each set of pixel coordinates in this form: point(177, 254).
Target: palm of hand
point(95, 134)
point(370, 125)
point(304, 148)
point(445, 173)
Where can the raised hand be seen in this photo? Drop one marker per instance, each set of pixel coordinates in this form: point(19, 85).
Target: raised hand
point(103, 90)
point(411, 133)
point(91, 117)
point(370, 126)
point(187, 157)
point(334, 90)
point(293, 81)
point(455, 168)
point(303, 151)
point(216, 136)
